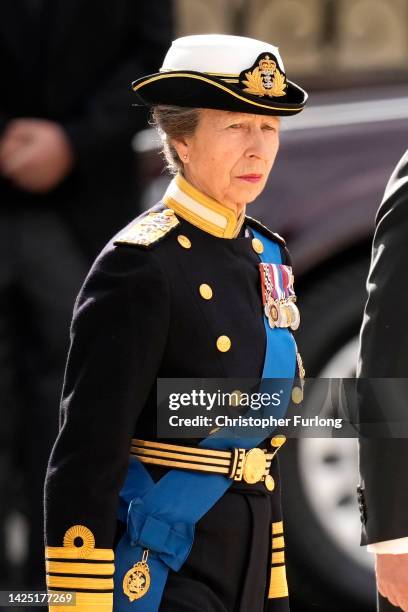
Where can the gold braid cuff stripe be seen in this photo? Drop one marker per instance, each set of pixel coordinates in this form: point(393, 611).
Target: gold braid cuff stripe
point(86, 602)
point(64, 552)
point(75, 582)
point(66, 567)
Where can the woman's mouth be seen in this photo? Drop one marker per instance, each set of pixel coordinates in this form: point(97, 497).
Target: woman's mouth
point(251, 178)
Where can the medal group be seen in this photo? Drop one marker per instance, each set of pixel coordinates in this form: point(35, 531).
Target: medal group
point(278, 296)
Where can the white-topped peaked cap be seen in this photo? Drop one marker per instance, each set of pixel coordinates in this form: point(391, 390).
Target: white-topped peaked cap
point(224, 72)
point(216, 53)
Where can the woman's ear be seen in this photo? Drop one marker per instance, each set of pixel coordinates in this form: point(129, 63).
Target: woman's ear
point(182, 149)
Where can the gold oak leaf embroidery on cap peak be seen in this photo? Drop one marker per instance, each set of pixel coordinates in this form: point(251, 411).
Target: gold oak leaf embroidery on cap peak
point(265, 79)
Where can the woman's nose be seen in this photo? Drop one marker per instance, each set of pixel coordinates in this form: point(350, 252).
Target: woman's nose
point(258, 147)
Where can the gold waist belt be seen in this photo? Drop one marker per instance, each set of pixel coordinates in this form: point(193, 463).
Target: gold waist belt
point(252, 465)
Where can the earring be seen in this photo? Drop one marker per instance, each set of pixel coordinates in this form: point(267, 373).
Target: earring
point(185, 157)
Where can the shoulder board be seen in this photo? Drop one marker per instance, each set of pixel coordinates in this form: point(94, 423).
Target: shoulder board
point(149, 229)
point(265, 230)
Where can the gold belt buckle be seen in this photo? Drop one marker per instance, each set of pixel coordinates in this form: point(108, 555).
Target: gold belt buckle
point(250, 465)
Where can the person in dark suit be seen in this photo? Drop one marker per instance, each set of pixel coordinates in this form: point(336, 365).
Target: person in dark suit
point(67, 180)
point(383, 494)
point(193, 288)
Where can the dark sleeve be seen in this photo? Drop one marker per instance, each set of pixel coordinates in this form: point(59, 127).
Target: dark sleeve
point(118, 336)
point(4, 119)
point(383, 492)
point(111, 119)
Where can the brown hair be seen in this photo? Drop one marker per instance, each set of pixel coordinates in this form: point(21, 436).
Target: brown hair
point(174, 122)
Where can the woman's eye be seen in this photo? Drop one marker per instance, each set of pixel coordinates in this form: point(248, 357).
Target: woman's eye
point(236, 125)
point(268, 128)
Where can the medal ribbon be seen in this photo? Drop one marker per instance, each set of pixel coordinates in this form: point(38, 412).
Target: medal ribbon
point(287, 276)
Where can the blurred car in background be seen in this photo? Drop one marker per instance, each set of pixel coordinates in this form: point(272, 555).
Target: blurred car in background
point(322, 196)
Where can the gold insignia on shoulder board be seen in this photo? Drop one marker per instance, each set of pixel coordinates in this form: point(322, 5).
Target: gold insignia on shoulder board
point(265, 78)
point(148, 229)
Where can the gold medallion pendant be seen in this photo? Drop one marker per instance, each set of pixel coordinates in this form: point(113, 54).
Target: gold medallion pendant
point(136, 581)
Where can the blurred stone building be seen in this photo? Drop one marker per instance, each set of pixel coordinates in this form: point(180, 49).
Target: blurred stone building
point(329, 43)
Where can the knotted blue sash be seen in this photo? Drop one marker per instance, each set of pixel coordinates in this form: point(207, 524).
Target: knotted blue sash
point(161, 516)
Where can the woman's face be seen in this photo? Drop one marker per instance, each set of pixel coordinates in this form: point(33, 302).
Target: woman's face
point(230, 155)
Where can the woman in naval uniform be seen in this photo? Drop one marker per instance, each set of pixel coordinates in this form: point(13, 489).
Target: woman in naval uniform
point(193, 288)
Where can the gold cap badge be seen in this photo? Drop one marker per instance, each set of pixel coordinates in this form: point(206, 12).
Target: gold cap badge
point(264, 78)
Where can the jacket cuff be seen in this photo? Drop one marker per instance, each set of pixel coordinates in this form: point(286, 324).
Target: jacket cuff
point(79, 568)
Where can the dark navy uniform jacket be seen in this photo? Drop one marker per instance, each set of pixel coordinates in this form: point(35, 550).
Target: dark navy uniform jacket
point(141, 315)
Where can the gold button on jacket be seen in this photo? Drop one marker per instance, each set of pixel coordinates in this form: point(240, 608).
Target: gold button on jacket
point(257, 245)
point(205, 291)
point(223, 344)
point(184, 241)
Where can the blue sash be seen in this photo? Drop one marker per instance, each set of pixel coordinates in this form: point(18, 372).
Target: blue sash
point(161, 516)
